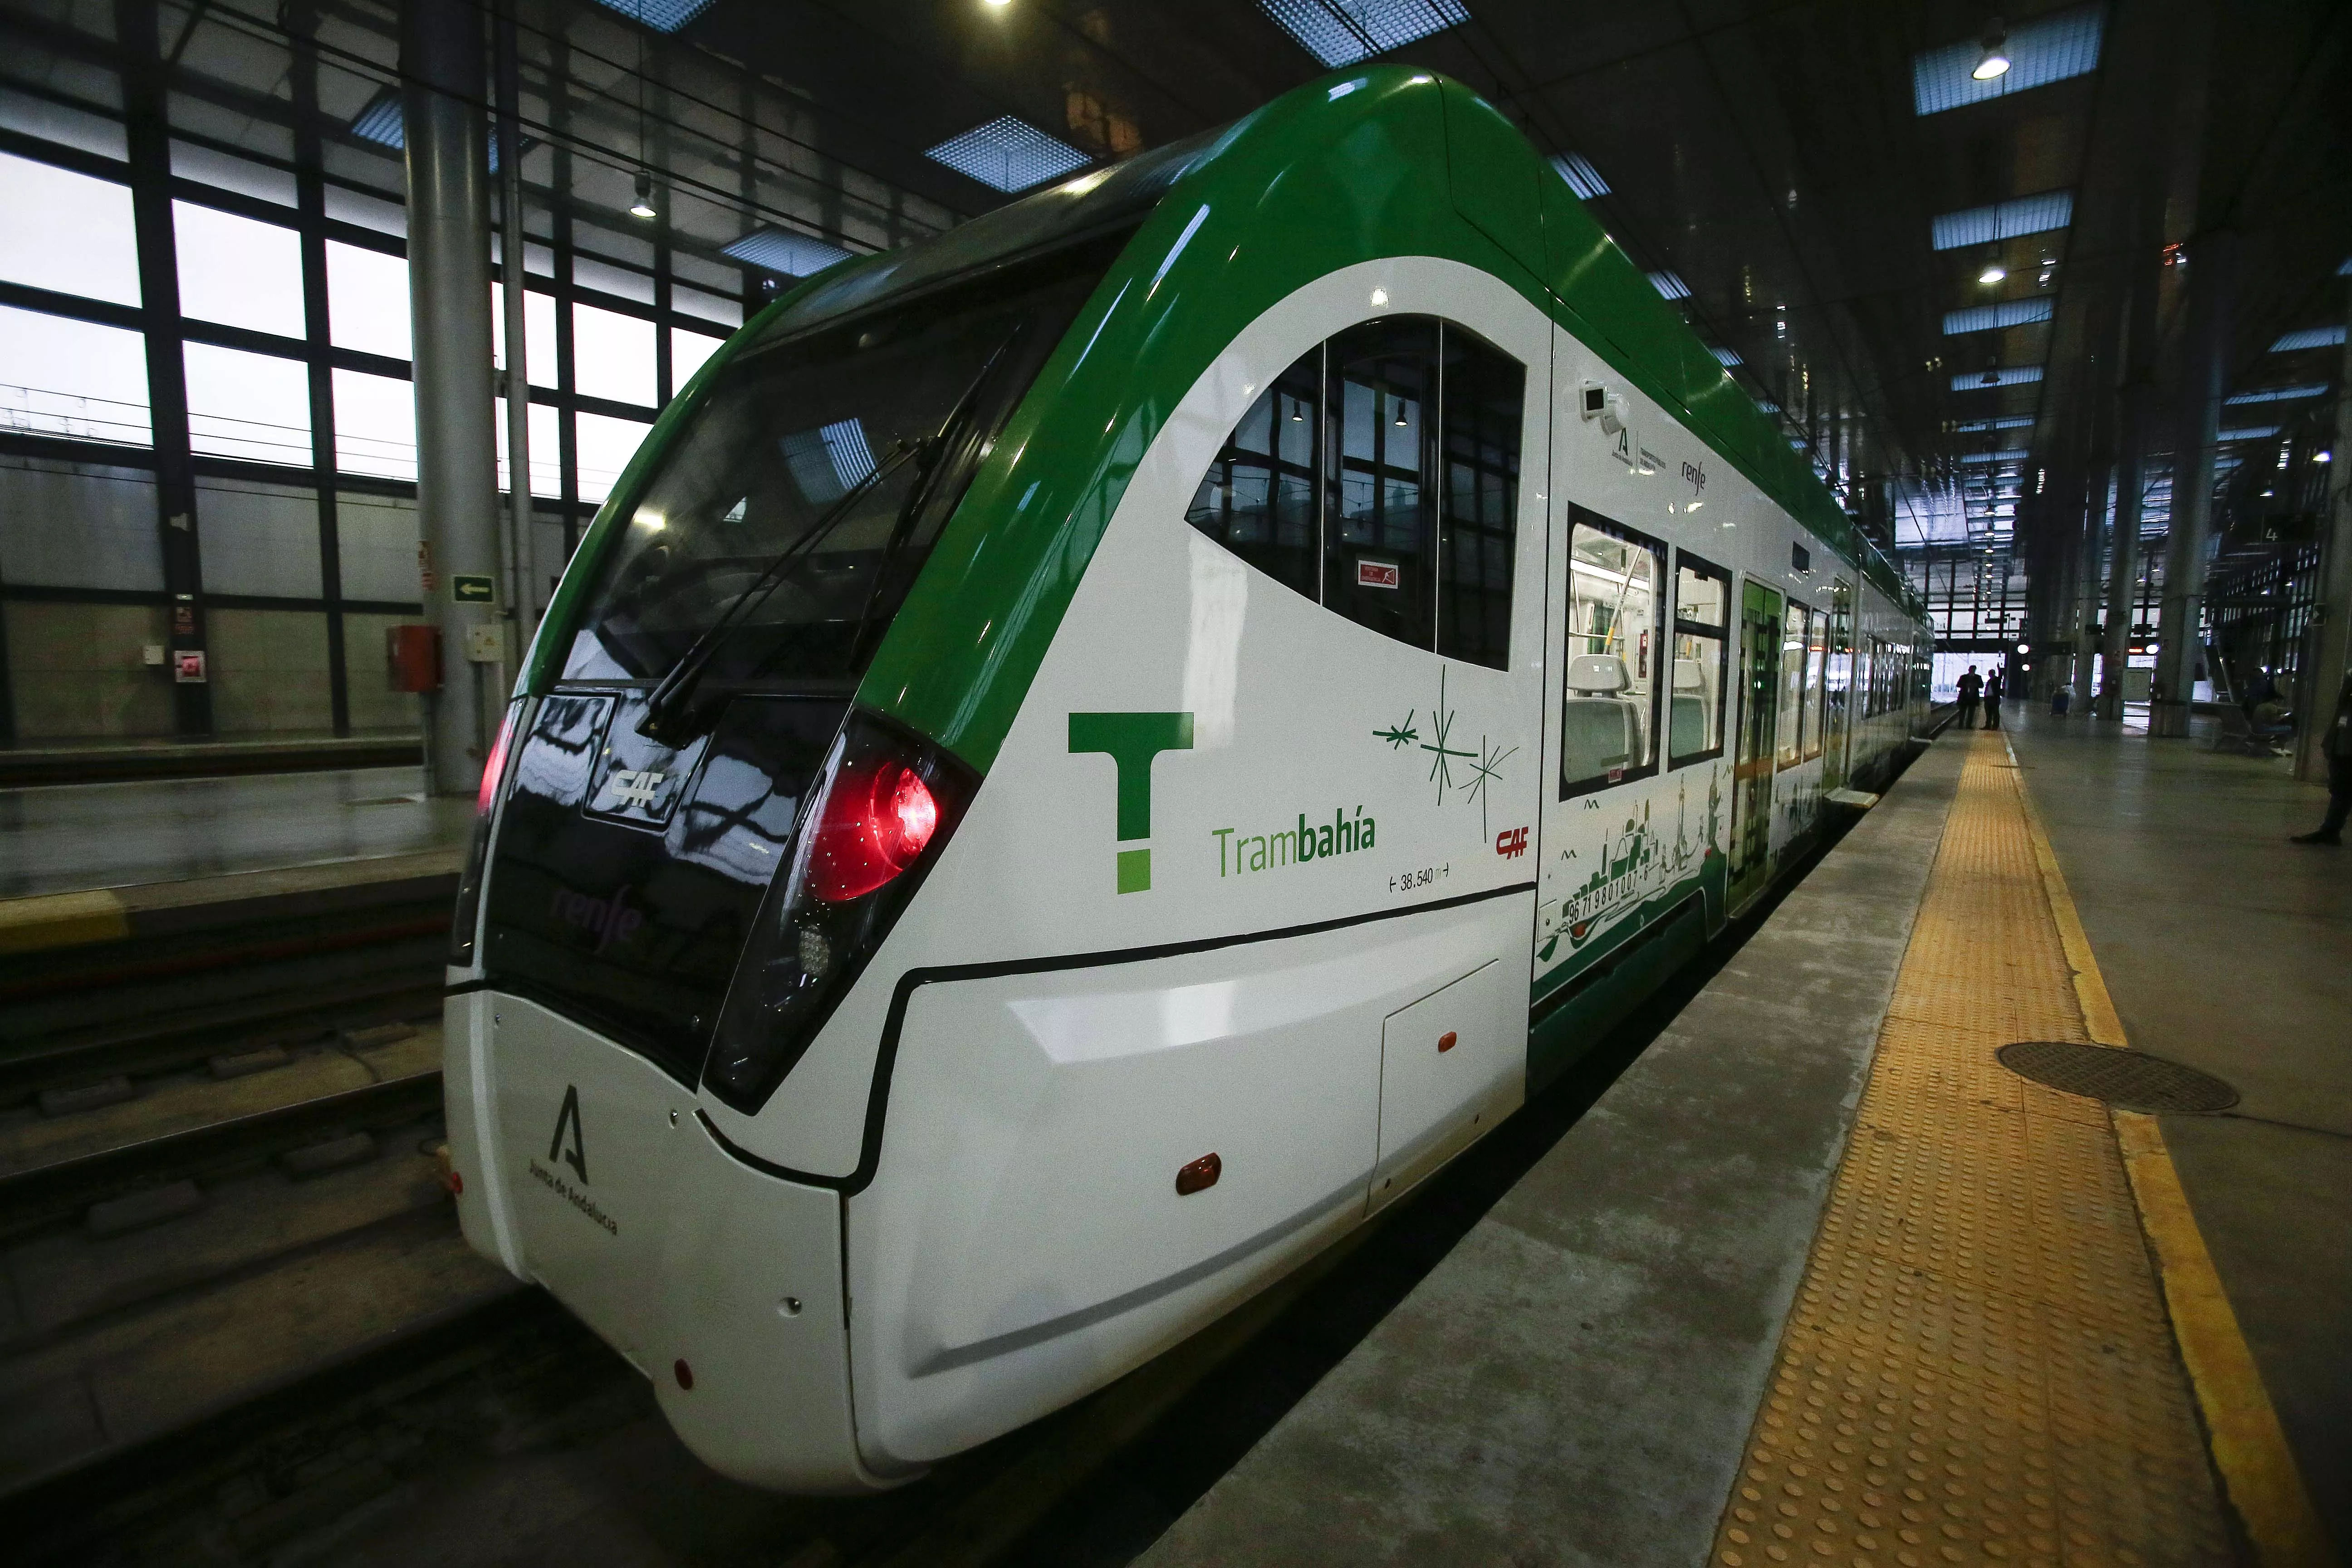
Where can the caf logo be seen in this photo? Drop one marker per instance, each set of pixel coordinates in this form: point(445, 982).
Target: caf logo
point(568, 1120)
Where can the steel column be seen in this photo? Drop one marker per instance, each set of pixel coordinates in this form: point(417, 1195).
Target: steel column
point(521, 602)
point(149, 144)
point(2212, 269)
point(443, 74)
point(2331, 650)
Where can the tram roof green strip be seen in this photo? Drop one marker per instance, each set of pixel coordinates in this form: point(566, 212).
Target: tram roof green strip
point(1310, 183)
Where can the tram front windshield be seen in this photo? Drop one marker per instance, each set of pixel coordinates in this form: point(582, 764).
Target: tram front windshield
point(793, 427)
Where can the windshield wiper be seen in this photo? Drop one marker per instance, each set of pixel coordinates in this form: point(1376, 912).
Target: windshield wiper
point(670, 718)
point(941, 442)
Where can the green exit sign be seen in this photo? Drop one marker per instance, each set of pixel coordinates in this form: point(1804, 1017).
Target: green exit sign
point(468, 590)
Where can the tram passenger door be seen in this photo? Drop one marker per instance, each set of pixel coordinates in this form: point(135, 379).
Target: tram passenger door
point(1838, 696)
point(1752, 774)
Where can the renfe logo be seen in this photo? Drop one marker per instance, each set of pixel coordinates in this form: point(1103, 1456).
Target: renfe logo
point(611, 919)
point(1376, 574)
point(1511, 843)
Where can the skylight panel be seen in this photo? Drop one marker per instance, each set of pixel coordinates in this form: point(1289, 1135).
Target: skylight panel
point(2009, 375)
point(1583, 178)
point(785, 253)
point(2310, 337)
point(2006, 421)
point(2248, 432)
point(2049, 48)
point(2273, 395)
point(1007, 154)
point(1670, 285)
point(661, 16)
point(2014, 454)
point(2345, 270)
point(1342, 32)
point(2004, 220)
point(1725, 357)
point(1988, 317)
point(379, 120)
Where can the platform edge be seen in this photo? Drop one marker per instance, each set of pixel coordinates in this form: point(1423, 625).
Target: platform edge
point(2259, 1475)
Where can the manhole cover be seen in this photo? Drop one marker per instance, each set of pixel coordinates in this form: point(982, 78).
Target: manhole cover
point(2128, 1078)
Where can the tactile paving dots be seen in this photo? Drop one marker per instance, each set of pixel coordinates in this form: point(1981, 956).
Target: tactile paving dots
point(1978, 1367)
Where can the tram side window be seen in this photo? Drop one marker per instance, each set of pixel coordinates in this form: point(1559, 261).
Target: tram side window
point(1257, 499)
point(1608, 707)
point(1817, 655)
point(1695, 692)
point(1481, 392)
point(1378, 477)
point(1381, 516)
point(1790, 741)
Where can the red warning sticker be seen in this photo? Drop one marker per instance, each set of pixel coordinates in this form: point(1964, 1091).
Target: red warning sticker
point(1376, 574)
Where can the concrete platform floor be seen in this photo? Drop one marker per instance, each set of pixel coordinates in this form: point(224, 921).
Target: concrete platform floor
point(2230, 949)
point(71, 838)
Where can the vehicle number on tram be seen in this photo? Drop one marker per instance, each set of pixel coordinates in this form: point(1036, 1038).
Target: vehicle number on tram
point(1405, 883)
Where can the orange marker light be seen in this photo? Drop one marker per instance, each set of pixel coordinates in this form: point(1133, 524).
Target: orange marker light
point(1446, 1042)
point(1200, 1174)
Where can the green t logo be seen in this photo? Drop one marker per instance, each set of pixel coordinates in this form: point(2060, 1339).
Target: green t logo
point(1133, 740)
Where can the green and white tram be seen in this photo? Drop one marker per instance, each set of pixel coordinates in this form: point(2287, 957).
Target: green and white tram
point(1086, 756)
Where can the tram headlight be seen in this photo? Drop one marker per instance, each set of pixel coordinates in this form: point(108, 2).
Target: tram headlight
point(881, 813)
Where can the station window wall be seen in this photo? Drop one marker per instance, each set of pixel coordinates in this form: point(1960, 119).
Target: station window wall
point(290, 339)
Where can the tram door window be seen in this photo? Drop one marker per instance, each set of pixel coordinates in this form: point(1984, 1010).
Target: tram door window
point(1380, 477)
point(1696, 677)
point(1257, 499)
point(1760, 637)
point(1838, 684)
point(1796, 620)
point(1608, 716)
point(1817, 649)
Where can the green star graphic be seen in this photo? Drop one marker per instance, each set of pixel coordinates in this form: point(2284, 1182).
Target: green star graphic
point(1401, 735)
point(1486, 769)
point(1441, 765)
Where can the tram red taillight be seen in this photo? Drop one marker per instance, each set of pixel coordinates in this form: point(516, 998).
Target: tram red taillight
point(486, 800)
point(883, 809)
point(494, 772)
point(876, 824)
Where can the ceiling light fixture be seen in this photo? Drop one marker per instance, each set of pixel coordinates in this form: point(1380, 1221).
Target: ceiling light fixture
point(1994, 61)
point(643, 206)
point(1993, 273)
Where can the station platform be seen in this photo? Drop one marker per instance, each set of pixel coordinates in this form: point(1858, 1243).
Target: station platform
point(1823, 1278)
point(71, 838)
point(114, 761)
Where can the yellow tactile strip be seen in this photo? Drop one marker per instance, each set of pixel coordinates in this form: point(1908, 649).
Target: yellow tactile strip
point(1978, 1368)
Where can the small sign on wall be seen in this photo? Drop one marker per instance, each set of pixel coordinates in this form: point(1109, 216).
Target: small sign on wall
point(1376, 574)
point(468, 589)
point(188, 667)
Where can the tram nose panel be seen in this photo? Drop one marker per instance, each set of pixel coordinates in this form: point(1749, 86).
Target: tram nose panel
point(588, 1132)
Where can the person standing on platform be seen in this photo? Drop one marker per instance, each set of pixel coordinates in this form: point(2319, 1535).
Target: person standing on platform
point(2338, 748)
point(1971, 690)
point(1992, 701)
